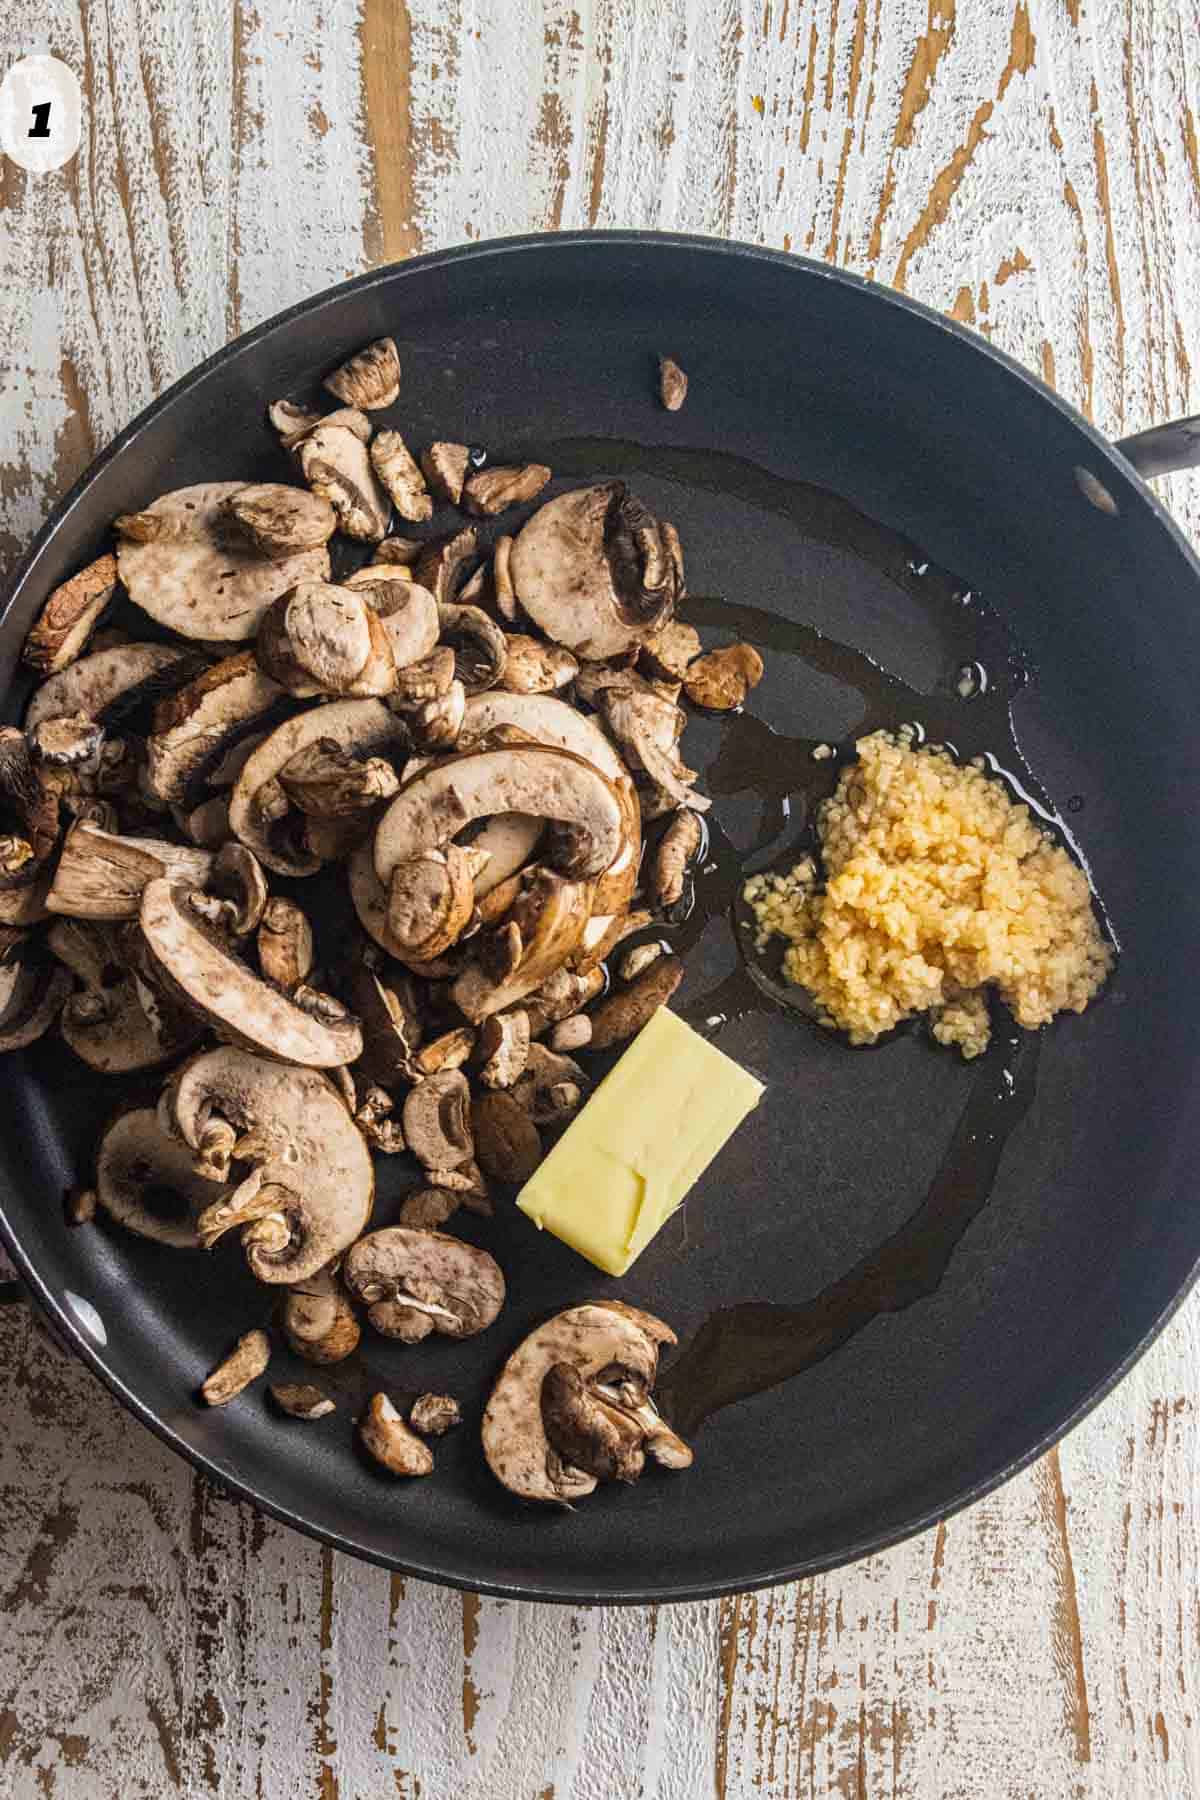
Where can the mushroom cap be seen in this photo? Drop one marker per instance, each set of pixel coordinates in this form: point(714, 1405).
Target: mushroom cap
point(437, 1120)
point(91, 685)
point(596, 571)
point(293, 1124)
point(529, 778)
point(591, 1338)
point(240, 1007)
point(463, 1286)
point(362, 726)
point(136, 1158)
point(205, 582)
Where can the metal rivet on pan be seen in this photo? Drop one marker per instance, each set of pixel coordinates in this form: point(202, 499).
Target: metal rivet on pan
point(1094, 490)
point(87, 1315)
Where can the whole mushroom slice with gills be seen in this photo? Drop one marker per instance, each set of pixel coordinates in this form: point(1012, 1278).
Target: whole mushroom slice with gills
point(197, 967)
point(116, 1021)
point(572, 1405)
point(197, 726)
point(112, 681)
point(68, 618)
point(102, 875)
point(597, 571)
point(310, 1184)
point(415, 1283)
point(146, 1180)
point(319, 1322)
point(259, 811)
point(323, 639)
point(197, 575)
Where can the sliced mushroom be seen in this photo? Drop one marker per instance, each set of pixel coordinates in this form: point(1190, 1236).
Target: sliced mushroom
point(431, 678)
point(107, 681)
point(445, 467)
point(292, 421)
point(648, 729)
point(200, 579)
point(430, 901)
point(437, 1121)
point(550, 914)
point(201, 722)
point(613, 1349)
point(588, 1434)
point(503, 1048)
point(597, 571)
point(67, 620)
point(258, 807)
point(442, 562)
point(305, 1154)
point(217, 987)
point(572, 1033)
point(433, 1415)
point(526, 778)
point(370, 378)
point(402, 551)
point(533, 667)
point(563, 993)
point(504, 595)
point(146, 1180)
point(436, 725)
point(386, 1005)
point(370, 899)
point(507, 1142)
point(409, 614)
point(71, 742)
point(639, 958)
point(324, 639)
point(376, 1120)
point(419, 1282)
point(623, 1014)
point(319, 1322)
point(680, 842)
point(116, 1022)
point(480, 647)
point(666, 655)
point(245, 1363)
point(596, 945)
point(300, 1400)
point(327, 782)
point(279, 519)
point(33, 991)
point(672, 383)
point(388, 1439)
point(335, 463)
point(401, 475)
point(285, 943)
point(490, 491)
point(103, 876)
point(721, 680)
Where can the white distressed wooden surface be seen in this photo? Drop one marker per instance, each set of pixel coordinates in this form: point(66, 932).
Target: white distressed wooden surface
point(1033, 168)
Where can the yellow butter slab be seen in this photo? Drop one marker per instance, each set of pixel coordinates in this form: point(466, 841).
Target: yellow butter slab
point(643, 1140)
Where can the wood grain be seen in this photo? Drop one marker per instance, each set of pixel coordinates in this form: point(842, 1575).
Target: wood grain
point(1030, 166)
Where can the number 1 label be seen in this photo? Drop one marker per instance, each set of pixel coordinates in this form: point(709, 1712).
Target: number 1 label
point(40, 114)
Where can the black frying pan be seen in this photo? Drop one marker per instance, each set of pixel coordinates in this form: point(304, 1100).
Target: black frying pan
point(950, 1278)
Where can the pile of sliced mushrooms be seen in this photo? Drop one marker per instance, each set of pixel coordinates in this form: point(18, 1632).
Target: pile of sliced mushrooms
point(478, 735)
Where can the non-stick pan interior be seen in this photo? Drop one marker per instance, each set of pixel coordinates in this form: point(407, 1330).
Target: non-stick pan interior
point(797, 376)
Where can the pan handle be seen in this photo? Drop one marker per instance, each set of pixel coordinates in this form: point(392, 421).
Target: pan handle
point(1164, 448)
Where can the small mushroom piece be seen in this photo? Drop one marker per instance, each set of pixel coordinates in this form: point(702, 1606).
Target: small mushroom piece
point(202, 579)
point(596, 946)
point(487, 492)
point(507, 1142)
point(667, 655)
point(503, 1048)
point(386, 1005)
point(612, 1349)
point(195, 727)
point(573, 1033)
point(401, 475)
point(637, 959)
point(146, 1180)
point(480, 647)
point(597, 571)
point(285, 943)
point(72, 742)
point(279, 519)
point(33, 991)
point(672, 383)
point(445, 467)
point(300, 1400)
point(448, 1051)
point(550, 915)
point(116, 1022)
point(62, 628)
point(327, 782)
point(648, 729)
point(504, 595)
point(79, 1205)
point(101, 875)
point(680, 842)
point(623, 1014)
point(436, 725)
point(222, 990)
point(374, 1119)
point(721, 680)
point(448, 1286)
point(291, 421)
point(368, 379)
point(206, 825)
point(336, 465)
point(239, 888)
point(552, 1086)
point(426, 1209)
point(437, 1120)
point(526, 778)
point(432, 678)
point(401, 551)
point(291, 1128)
point(433, 1415)
point(586, 1432)
point(245, 1363)
point(430, 900)
point(319, 1322)
point(409, 616)
point(442, 562)
point(323, 639)
point(533, 667)
point(388, 1439)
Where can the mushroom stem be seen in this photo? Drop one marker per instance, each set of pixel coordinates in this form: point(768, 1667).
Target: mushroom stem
point(255, 1199)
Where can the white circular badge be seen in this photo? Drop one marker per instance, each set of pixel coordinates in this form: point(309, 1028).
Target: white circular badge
point(40, 114)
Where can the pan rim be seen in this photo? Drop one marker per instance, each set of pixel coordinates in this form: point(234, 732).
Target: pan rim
point(57, 1308)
